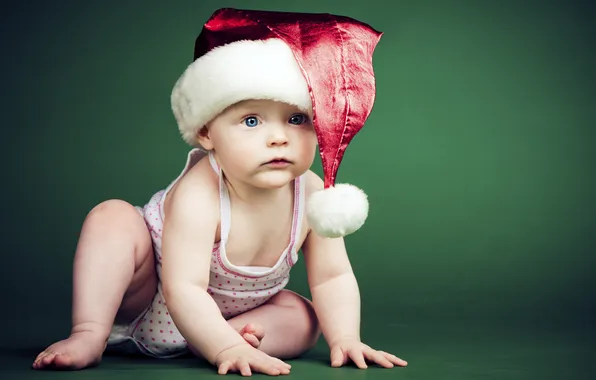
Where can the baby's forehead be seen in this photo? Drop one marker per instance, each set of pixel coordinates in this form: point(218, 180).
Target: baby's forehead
point(263, 104)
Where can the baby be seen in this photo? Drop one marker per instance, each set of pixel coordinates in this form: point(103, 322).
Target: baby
point(202, 267)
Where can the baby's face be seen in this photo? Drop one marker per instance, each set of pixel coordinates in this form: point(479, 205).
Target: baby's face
point(250, 134)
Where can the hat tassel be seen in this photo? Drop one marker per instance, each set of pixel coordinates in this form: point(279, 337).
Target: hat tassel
point(337, 211)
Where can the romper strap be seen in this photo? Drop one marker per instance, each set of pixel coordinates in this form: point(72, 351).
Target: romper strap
point(224, 199)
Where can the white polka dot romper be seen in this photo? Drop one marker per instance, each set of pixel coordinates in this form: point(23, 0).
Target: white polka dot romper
point(235, 289)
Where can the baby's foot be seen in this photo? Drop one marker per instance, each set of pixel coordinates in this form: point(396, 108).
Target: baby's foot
point(82, 349)
point(253, 333)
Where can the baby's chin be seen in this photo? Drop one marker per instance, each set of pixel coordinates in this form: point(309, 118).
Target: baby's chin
point(275, 179)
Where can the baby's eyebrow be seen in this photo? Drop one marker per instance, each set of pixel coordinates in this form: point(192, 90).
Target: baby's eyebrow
point(241, 111)
point(246, 107)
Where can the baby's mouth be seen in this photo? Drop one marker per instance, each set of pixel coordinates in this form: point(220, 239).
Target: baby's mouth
point(278, 161)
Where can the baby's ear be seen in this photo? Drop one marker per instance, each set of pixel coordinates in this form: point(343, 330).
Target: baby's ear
point(203, 138)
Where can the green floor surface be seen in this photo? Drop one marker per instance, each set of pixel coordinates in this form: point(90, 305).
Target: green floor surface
point(437, 352)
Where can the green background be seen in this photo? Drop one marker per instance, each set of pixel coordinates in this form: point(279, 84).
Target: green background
point(478, 257)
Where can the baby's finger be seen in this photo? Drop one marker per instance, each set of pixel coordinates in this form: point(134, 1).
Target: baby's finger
point(394, 359)
point(283, 367)
point(358, 358)
point(337, 357)
point(377, 357)
point(224, 367)
point(266, 367)
point(243, 367)
point(280, 363)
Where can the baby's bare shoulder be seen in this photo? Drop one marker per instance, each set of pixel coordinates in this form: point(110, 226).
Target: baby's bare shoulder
point(198, 189)
point(313, 182)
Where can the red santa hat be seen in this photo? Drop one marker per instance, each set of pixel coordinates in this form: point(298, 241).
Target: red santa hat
point(318, 62)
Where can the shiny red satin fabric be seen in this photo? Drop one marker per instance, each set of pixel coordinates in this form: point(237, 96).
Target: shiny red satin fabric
point(335, 54)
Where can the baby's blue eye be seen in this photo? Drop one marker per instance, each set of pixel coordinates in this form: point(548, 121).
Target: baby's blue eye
point(298, 119)
point(251, 121)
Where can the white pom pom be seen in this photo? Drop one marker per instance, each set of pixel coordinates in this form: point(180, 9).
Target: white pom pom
point(337, 211)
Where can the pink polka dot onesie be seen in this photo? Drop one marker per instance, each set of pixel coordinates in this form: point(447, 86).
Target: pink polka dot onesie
point(235, 289)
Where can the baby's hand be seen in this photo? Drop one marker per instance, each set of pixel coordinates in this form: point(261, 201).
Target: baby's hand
point(243, 358)
point(343, 350)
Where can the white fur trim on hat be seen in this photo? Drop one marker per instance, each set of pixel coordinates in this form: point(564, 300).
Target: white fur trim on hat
point(262, 69)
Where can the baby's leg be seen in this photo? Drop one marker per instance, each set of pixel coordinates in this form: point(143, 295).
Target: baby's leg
point(114, 280)
point(287, 325)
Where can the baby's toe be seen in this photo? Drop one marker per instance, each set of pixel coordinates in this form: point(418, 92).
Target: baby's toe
point(38, 358)
point(47, 359)
point(258, 331)
point(252, 340)
point(63, 361)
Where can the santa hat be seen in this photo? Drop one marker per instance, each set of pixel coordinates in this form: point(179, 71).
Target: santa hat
point(319, 62)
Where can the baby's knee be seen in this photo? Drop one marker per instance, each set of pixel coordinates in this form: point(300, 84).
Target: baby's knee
point(302, 308)
point(110, 209)
point(115, 213)
point(121, 220)
point(288, 298)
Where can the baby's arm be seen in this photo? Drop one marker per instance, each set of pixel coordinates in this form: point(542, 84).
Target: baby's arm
point(190, 225)
point(191, 220)
point(333, 287)
point(336, 298)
